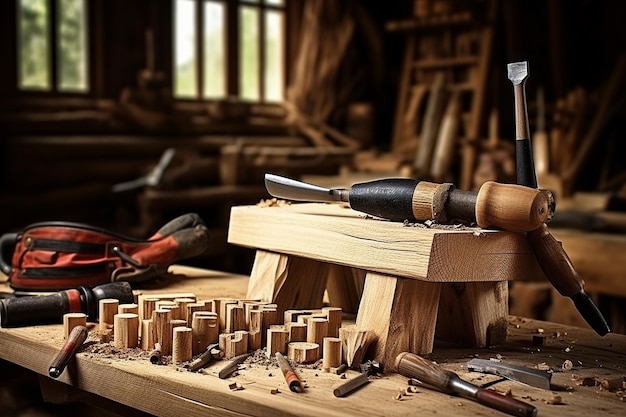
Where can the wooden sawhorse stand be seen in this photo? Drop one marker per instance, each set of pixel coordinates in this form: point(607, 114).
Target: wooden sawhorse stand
point(419, 282)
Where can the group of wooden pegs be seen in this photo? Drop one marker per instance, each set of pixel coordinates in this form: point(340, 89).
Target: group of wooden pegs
point(183, 327)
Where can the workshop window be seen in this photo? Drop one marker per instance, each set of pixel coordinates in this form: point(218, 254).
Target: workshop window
point(229, 48)
point(52, 45)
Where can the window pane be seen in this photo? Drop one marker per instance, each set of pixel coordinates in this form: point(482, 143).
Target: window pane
point(185, 68)
point(274, 49)
point(214, 38)
point(33, 45)
point(249, 53)
point(274, 2)
point(72, 47)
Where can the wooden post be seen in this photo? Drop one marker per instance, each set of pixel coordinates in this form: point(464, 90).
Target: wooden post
point(474, 313)
point(235, 319)
point(181, 344)
point(402, 314)
point(278, 278)
point(147, 306)
point(126, 330)
point(71, 320)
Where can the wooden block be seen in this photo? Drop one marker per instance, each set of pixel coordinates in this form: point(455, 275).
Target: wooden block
point(220, 305)
point(297, 332)
point(255, 330)
point(334, 315)
point(473, 314)
point(71, 320)
point(224, 344)
point(181, 344)
point(303, 352)
point(235, 318)
point(205, 330)
point(194, 307)
point(126, 330)
point(279, 278)
point(238, 343)
point(183, 302)
point(276, 341)
point(402, 314)
point(317, 330)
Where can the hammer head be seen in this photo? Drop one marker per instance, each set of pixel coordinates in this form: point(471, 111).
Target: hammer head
point(518, 72)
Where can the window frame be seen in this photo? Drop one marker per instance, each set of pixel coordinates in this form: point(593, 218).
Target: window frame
point(232, 62)
point(53, 54)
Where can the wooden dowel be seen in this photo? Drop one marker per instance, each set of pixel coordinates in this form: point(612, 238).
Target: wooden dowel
point(181, 344)
point(331, 353)
point(161, 330)
point(155, 354)
point(128, 308)
point(147, 337)
point(126, 330)
point(147, 306)
point(351, 385)
point(71, 320)
point(107, 310)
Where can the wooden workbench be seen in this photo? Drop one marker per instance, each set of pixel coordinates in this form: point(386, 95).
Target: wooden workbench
point(169, 391)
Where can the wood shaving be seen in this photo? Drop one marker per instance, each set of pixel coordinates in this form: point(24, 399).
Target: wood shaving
point(273, 202)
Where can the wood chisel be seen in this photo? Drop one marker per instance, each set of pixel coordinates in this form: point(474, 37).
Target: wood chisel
point(433, 375)
point(505, 206)
point(549, 252)
point(529, 376)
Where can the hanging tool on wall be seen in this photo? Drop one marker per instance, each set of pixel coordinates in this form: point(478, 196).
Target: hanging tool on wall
point(505, 206)
point(549, 252)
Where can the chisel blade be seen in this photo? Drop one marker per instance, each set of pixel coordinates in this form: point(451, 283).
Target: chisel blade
point(523, 374)
point(289, 189)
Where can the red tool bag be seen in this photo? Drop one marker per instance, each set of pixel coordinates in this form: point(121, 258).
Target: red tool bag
point(53, 256)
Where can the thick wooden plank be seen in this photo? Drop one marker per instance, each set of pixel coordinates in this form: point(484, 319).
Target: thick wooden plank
point(339, 235)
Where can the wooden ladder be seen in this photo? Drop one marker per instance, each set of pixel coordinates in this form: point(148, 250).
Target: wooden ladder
point(441, 100)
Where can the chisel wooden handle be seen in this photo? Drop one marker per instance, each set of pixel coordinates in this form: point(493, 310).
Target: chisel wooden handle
point(505, 206)
point(433, 375)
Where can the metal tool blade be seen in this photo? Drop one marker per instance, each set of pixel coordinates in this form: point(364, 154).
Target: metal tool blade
point(517, 71)
point(289, 189)
point(529, 376)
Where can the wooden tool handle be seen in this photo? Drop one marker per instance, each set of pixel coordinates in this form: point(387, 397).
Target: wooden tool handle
point(427, 372)
point(512, 207)
point(554, 262)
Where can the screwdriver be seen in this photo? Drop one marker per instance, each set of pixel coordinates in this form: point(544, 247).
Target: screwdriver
point(433, 375)
point(505, 206)
point(551, 256)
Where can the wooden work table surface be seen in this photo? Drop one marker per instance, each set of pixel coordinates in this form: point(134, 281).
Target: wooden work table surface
point(166, 390)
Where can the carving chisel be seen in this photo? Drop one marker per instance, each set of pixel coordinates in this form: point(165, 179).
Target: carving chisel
point(549, 252)
point(523, 374)
point(505, 206)
point(433, 375)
